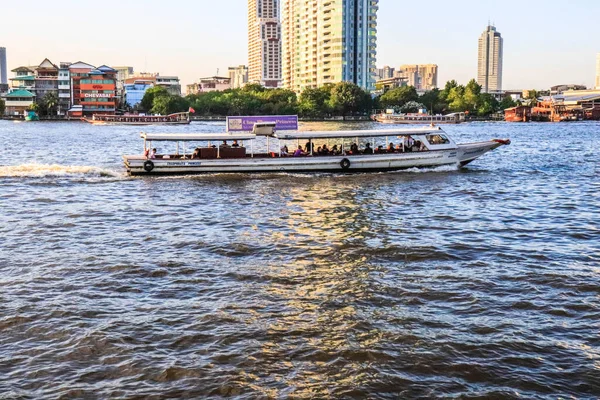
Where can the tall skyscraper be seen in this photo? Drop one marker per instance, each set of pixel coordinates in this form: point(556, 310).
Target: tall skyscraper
point(264, 42)
point(489, 69)
point(598, 71)
point(329, 42)
point(3, 71)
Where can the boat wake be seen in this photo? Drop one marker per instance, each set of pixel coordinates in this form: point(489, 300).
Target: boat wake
point(56, 171)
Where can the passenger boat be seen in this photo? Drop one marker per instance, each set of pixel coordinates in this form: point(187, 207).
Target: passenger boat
point(418, 118)
point(261, 151)
point(182, 118)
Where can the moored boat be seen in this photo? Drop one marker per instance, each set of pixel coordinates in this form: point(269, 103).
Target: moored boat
point(264, 150)
point(418, 118)
point(182, 118)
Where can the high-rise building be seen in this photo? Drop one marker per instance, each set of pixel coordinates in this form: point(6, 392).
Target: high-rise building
point(329, 42)
point(264, 42)
point(238, 76)
point(421, 76)
point(489, 63)
point(3, 71)
point(598, 71)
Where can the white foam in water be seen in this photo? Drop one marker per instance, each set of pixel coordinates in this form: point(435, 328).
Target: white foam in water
point(55, 170)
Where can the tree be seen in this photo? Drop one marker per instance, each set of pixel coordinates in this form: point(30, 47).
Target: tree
point(433, 101)
point(487, 104)
point(397, 97)
point(346, 97)
point(148, 100)
point(471, 95)
point(412, 107)
point(50, 103)
point(314, 103)
point(507, 102)
point(2, 107)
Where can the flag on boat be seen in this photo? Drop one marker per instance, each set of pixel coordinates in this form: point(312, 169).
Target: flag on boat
point(191, 110)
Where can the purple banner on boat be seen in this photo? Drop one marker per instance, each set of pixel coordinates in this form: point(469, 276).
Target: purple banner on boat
point(284, 122)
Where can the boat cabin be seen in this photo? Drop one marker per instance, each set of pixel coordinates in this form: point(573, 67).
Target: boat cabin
point(265, 142)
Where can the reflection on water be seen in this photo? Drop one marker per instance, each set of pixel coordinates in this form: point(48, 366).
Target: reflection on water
point(474, 283)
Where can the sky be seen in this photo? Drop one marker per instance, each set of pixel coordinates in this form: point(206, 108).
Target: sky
point(545, 43)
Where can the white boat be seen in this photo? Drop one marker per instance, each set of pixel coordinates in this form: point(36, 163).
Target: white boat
point(418, 118)
point(182, 118)
point(433, 148)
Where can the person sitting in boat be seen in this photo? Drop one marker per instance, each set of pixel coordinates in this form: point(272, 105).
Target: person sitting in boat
point(320, 150)
point(335, 151)
point(379, 149)
point(391, 148)
point(368, 149)
point(196, 153)
point(325, 150)
point(153, 153)
point(399, 148)
point(224, 144)
point(354, 149)
point(285, 151)
point(235, 144)
point(299, 152)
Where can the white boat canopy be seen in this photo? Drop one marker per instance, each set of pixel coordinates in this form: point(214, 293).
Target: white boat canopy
point(195, 137)
point(355, 134)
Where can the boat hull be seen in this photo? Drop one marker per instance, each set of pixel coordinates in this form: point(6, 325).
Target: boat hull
point(459, 156)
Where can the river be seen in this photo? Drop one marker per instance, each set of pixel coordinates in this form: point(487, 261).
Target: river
point(482, 282)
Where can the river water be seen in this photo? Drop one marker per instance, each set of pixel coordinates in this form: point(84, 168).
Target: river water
point(482, 282)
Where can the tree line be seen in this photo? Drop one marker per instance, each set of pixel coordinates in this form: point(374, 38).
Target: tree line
point(340, 99)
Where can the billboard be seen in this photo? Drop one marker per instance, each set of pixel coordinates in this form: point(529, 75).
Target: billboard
point(241, 124)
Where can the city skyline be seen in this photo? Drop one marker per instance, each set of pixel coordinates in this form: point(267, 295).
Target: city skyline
point(192, 47)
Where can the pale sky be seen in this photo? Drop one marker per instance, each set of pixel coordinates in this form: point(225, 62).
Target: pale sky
point(545, 43)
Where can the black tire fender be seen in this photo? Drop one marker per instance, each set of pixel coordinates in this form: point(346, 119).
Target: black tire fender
point(148, 165)
point(345, 163)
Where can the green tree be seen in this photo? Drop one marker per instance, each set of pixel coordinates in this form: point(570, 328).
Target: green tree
point(314, 103)
point(346, 97)
point(447, 89)
point(487, 104)
point(433, 101)
point(412, 107)
point(2, 107)
point(471, 95)
point(456, 100)
point(147, 102)
point(507, 102)
point(397, 97)
point(50, 103)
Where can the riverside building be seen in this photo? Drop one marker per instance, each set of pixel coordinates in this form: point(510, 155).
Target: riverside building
point(238, 76)
point(489, 62)
point(329, 42)
point(422, 76)
point(598, 71)
point(264, 43)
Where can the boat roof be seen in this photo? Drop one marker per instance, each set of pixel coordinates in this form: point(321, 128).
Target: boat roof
point(357, 133)
point(196, 137)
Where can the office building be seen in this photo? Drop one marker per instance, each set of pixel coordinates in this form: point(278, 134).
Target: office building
point(422, 77)
point(238, 76)
point(3, 71)
point(134, 92)
point(209, 84)
point(489, 63)
point(171, 83)
point(264, 43)
point(329, 42)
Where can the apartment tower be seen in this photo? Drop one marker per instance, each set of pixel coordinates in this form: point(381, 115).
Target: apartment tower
point(3, 71)
point(489, 67)
point(264, 43)
point(329, 42)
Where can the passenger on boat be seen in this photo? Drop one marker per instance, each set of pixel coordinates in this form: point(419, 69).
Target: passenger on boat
point(354, 149)
point(224, 144)
point(299, 152)
point(310, 147)
point(196, 153)
point(409, 142)
point(379, 149)
point(235, 144)
point(399, 148)
point(368, 149)
point(391, 148)
point(325, 150)
point(146, 153)
point(335, 151)
point(153, 153)
point(285, 151)
point(320, 150)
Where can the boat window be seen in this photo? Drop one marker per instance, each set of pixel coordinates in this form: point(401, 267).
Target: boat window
point(437, 139)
